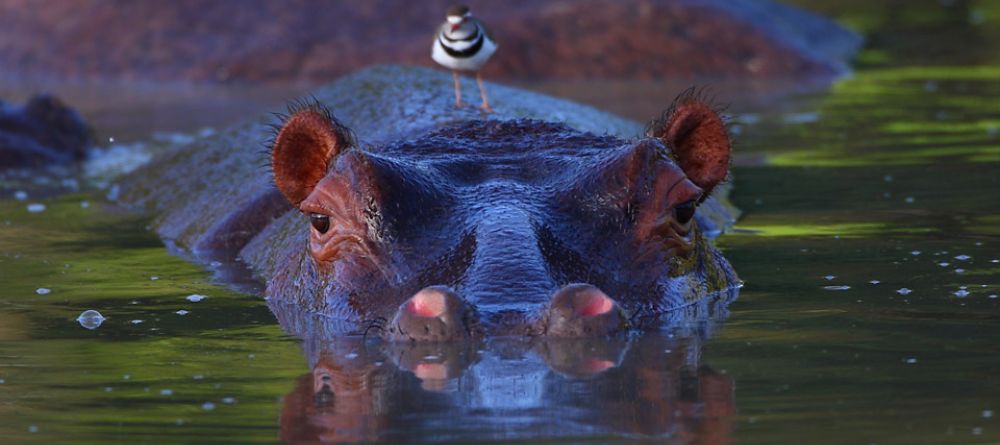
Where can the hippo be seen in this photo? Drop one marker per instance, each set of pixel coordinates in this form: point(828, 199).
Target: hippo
point(493, 227)
point(492, 217)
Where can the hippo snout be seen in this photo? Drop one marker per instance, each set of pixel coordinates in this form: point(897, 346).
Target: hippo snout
point(437, 313)
point(582, 310)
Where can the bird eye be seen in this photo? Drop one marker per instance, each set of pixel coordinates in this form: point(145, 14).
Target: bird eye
point(320, 222)
point(684, 212)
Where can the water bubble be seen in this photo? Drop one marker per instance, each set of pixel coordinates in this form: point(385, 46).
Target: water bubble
point(182, 312)
point(198, 377)
point(32, 428)
point(915, 253)
point(959, 270)
point(85, 204)
point(179, 422)
point(995, 261)
point(43, 291)
point(194, 298)
point(351, 355)
point(137, 321)
point(836, 287)
point(229, 400)
point(111, 140)
point(874, 282)
point(961, 293)
point(903, 291)
point(987, 413)
point(126, 377)
point(208, 406)
point(911, 360)
point(90, 319)
point(963, 257)
point(108, 389)
point(992, 296)
point(944, 264)
point(20, 195)
point(829, 277)
point(909, 200)
point(154, 278)
point(36, 207)
point(166, 392)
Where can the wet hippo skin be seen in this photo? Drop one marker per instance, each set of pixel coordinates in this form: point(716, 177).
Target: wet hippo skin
point(498, 227)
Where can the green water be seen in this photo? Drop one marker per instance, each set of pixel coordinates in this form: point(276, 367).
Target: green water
point(891, 175)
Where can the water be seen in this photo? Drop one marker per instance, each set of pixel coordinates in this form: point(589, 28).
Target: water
point(890, 177)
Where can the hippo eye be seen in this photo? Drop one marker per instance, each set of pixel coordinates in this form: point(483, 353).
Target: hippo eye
point(320, 222)
point(684, 212)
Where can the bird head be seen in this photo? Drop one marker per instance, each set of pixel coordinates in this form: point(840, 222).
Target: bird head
point(456, 16)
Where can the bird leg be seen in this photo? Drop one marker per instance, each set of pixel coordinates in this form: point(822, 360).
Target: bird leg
point(482, 93)
point(458, 89)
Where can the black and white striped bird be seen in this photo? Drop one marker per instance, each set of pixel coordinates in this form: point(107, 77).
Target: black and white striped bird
point(464, 44)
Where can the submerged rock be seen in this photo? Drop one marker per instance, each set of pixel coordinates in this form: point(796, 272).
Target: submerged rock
point(41, 133)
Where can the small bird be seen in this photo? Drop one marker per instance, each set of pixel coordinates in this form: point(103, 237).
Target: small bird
point(464, 44)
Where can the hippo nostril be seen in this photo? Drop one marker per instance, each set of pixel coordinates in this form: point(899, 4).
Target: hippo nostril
point(590, 304)
point(582, 310)
point(583, 300)
point(428, 303)
point(435, 313)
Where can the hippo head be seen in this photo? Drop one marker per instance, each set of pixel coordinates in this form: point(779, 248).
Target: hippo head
point(500, 227)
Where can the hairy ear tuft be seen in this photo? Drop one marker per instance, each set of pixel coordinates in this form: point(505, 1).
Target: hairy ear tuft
point(303, 147)
point(696, 135)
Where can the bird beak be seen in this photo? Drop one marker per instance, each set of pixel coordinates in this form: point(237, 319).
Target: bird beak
point(455, 26)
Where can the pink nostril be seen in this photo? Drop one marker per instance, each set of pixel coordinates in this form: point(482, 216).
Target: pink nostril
point(593, 303)
point(427, 303)
point(594, 365)
point(435, 371)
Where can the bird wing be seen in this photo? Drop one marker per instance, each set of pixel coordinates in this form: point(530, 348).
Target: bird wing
point(486, 30)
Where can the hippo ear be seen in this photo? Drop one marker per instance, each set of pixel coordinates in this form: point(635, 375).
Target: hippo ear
point(697, 138)
point(303, 148)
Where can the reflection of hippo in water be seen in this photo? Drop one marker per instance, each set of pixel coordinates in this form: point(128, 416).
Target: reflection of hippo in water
point(501, 227)
point(648, 387)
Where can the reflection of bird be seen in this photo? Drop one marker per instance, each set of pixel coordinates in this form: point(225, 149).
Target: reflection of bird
point(464, 44)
